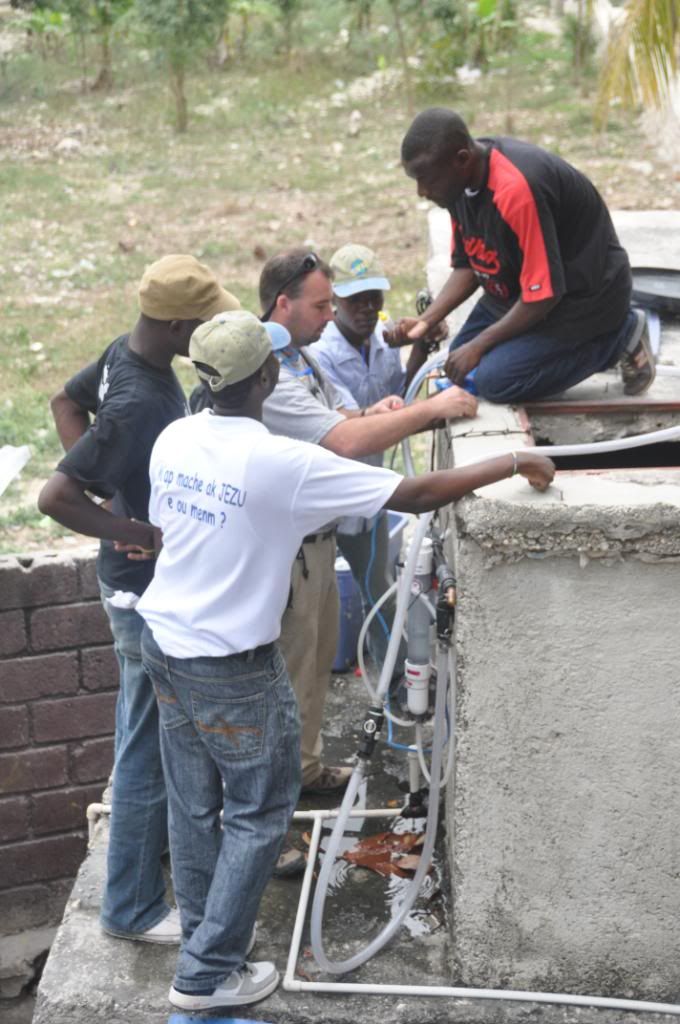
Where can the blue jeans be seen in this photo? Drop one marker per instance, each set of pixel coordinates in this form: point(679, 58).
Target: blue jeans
point(533, 366)
point(134, 896)
point(230, 739)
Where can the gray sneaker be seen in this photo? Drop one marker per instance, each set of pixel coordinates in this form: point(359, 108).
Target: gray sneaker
point(638, 367)
point(252, 982)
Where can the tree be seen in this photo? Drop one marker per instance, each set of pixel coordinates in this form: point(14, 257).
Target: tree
point(178, 30)
point(105, 14)
point(641, 56)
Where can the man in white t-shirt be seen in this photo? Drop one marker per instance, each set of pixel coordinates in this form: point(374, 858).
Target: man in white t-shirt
point(233, 503)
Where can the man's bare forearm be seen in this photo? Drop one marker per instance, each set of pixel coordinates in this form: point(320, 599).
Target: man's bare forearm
point(64, 500)
point(434, 490)
point(458, 287)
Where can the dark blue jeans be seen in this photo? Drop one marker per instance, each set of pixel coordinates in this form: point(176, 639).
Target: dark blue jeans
point(134, 897)
point(534, 365)
point(230, 740)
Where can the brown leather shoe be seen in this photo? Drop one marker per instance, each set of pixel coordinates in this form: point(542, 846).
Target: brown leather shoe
point(331, 780)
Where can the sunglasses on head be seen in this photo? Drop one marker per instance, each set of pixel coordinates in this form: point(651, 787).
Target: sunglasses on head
point(309, 263)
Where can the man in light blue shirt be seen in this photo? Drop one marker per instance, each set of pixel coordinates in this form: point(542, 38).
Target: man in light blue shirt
point(364, 369)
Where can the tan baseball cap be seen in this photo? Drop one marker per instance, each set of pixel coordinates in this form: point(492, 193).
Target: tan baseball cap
point(356, 268)
point(178, 287)
point(235, 344)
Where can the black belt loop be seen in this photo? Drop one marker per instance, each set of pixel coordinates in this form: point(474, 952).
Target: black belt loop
point(313, 537)
point(262, 649)
point(305, 571)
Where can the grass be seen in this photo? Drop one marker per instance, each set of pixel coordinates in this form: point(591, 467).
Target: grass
point(267, 163)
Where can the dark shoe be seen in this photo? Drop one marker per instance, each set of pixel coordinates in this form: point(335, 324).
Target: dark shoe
point(252, 982)
point(331, 780)
point(638, 367)
point(291, 862)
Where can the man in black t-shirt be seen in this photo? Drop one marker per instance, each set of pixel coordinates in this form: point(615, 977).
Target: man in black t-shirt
point(133, 394)
point(535, 234)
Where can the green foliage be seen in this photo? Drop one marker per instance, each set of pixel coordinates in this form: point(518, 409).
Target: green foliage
point(178, 30)
point(642, 56)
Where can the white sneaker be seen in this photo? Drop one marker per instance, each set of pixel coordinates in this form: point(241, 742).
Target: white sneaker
point(252, 982)
point(167, 932)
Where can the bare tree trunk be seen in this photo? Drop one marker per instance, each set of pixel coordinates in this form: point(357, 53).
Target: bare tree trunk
point(408, 84)
point(177, 86)
point(104, 79)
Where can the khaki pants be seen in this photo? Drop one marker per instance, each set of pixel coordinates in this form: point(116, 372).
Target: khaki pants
point(309, 639)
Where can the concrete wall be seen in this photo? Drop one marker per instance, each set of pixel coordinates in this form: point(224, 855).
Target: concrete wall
point(563, 828)
point(58, 685)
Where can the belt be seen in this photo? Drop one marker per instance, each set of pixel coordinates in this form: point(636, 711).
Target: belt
point(252, 654)
point(313, 537)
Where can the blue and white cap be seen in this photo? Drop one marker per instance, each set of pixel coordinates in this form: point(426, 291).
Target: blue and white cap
point(356, 268)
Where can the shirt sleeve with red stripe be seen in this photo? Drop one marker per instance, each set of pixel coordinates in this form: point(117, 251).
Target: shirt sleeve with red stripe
point(529, 218)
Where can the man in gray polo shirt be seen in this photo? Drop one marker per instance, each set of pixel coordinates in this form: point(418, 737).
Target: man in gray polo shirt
point(295, 290)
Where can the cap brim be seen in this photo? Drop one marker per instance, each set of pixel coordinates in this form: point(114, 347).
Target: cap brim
point(363, 284)
point(278, 335)
point(224, 304)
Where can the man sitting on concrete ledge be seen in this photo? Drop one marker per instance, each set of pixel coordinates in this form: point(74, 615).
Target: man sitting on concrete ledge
point(230, 736)
point(536, 235)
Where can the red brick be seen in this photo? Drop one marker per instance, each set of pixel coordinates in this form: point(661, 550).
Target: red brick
point(41, 859)
point(33, 769)
point(69, 719)
point(13, 818)
point(61, 810)
point(92, 761)
point(100, 668)
point(87, 573)
point(32, 906)
point(45, 579)
point(72, 625)
point(13, 727)
point(12, 633)
point(45, 676)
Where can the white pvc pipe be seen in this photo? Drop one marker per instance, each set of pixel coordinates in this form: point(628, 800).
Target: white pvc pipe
point(667, 371)
point(599, 1002)
point(93, 813)
point(384, 936)
point(293, 984)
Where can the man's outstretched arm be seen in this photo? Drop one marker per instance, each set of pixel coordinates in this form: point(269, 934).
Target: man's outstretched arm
point(366, 435)
point(433, 490)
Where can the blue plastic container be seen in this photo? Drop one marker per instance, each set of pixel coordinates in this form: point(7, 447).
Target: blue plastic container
point(351, 617)
point(396, 523)
point(180, 1018)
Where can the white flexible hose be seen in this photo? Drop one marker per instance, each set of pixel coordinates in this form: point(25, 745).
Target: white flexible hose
point(450, 753)
point(377, 943)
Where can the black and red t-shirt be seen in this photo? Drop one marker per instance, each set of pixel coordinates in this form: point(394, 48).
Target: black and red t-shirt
point(538, 229)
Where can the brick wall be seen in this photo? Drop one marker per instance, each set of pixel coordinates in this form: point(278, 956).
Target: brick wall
point(58, 685)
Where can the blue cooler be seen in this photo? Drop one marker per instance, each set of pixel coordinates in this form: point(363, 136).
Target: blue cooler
point(396, 523)
point(351, 617)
